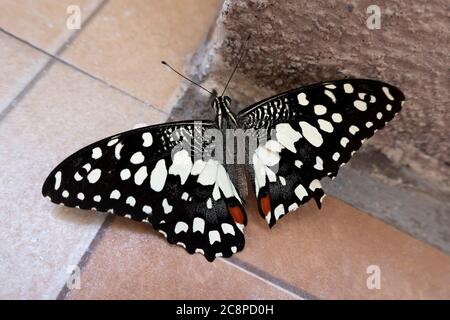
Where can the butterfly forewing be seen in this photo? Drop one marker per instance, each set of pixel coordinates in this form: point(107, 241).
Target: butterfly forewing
point(312, 132)
point(155, 175)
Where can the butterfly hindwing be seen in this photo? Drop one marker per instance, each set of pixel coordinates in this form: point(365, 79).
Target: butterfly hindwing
point(311, 132)
point(152, 175)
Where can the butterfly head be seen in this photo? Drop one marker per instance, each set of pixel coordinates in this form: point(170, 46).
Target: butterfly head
point(221, 106)
point(220, 102)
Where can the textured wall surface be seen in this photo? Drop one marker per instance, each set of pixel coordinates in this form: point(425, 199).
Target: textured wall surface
point(300, 42)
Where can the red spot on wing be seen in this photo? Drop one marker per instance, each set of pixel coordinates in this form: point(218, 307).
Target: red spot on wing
point(264, 203)
point(237, 214)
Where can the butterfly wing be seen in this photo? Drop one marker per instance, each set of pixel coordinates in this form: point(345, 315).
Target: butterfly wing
point(155, 174)
point(311, 132)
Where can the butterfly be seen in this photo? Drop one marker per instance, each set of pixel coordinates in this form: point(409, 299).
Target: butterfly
point(155, 175)
point(187, 179)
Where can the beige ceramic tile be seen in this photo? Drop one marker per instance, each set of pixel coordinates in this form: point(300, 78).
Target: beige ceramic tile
point(20, 64)
point(132, 261)
point(42, 22)
point(125, 43)
point(327, 253)
point(38, 240)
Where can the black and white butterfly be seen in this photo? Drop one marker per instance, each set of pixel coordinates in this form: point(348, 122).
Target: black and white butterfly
point(148, 175)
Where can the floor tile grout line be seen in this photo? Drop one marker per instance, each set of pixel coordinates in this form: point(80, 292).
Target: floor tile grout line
point(78, 69)
point(234, 262)
point(84, 260)
point(72, 66)
point(55, 57)
point(269, 279)
point(48, 64)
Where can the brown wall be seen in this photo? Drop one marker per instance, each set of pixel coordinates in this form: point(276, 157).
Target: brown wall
point(301, 42)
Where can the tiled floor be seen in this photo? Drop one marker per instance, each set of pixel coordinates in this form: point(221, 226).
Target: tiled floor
point(104, 79)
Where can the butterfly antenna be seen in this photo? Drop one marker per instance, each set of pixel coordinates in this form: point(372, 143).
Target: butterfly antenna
point(241, 55)
point(191, 81)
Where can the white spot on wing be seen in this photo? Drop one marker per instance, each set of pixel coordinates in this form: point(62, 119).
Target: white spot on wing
point(348, 88)
point(319, 163)
point(65, 194)
point(96, 153)
point(147, 209)
point(216, 192)
point(209, 173)
point(311, 134)
point(77, 176)
point(97, 198)
point(125, 174)
point(163, 233)
point(260, 173)
point(198, 166)
point(279, 211)
point(388, 93)
point(115, 194)
point(320, 109)
point(148, 139)
point(287, 136)
point(57, 180)
point(268, 157)
point(336, 156)
point(336, 117)
point(301, 97)
point(344, 142)
point(315, 184)
point(87, 167)
point(268, 217)
point(198, 225)
point(181, 165)
point(131, 201)
point(166, 206)
point(137, 158)
point(181, 244)
point(325, 125)
point(330, 95)
point(80, 196)
point(273, 146)
point(158, 176)
point(112, 142)
point(300, 192)
point(353, 129)
point(94, 175)
point(214, 236)
point(360, 105)
point(117, 150)
point(181, 227)
point(209, 203)
point(227, 228)
point(140, 175)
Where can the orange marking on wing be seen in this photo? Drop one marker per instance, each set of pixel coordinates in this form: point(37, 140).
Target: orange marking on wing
point(237, 214)
point(265, 204)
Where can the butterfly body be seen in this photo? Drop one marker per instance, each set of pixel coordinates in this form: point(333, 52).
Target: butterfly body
point(187, 179)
